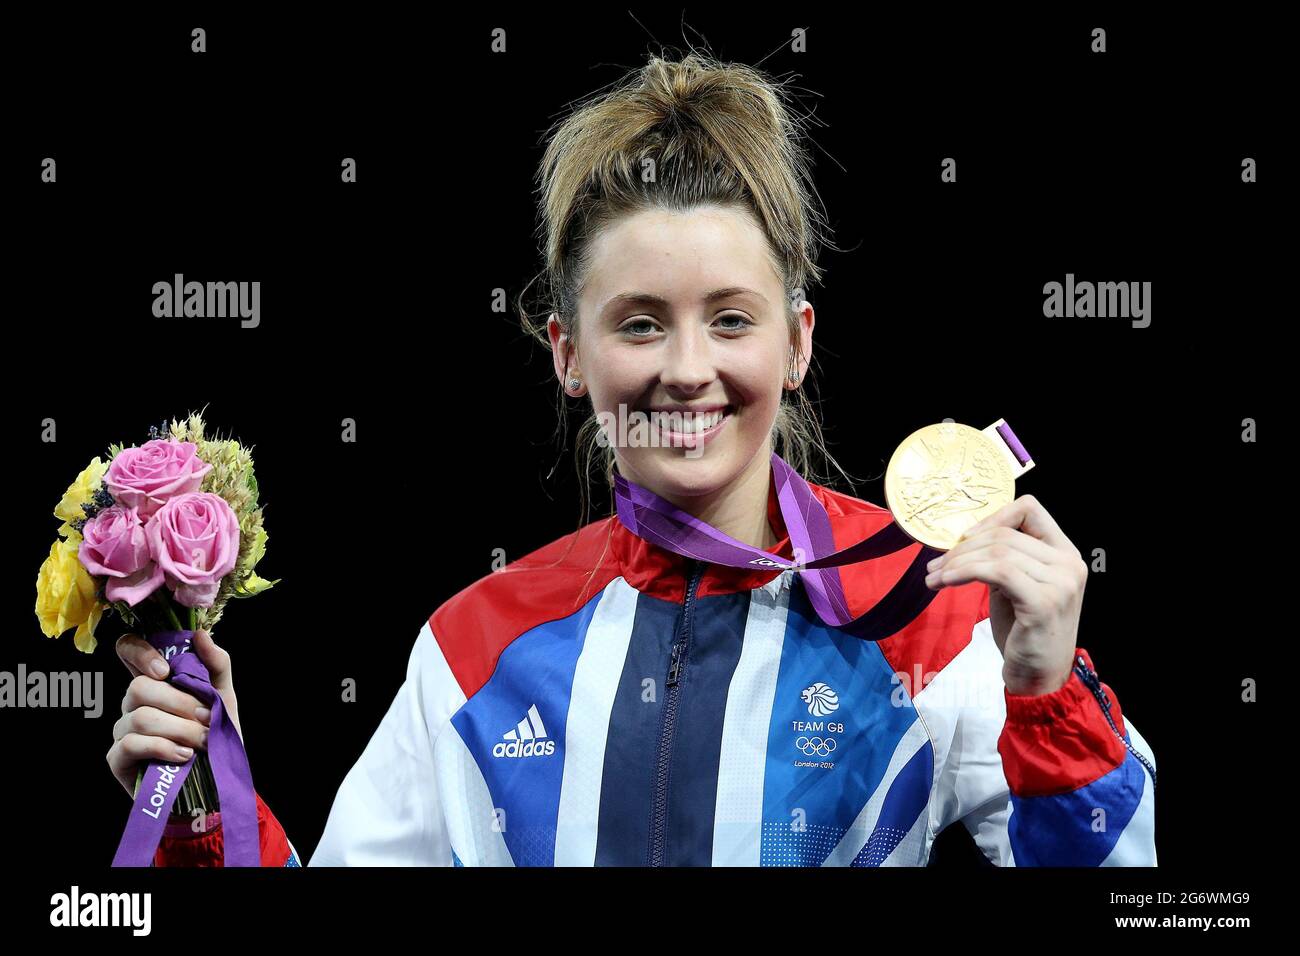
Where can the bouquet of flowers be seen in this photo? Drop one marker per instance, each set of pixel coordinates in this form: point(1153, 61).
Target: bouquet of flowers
point(164, 535)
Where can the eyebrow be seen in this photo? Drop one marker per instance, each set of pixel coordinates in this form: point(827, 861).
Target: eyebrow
point(648, 298)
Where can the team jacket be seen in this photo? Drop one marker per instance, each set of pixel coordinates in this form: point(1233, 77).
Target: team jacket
point(604, 701)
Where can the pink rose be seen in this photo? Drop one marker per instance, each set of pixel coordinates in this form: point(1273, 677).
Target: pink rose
point(195, 540)
point(114, 544)
point(145, 477)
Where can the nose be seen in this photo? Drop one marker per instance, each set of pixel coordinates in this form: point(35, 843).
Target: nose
point(688, 361)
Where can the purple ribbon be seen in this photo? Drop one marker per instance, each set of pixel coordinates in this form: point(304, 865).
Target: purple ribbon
point(162, 781)
point(658, 521)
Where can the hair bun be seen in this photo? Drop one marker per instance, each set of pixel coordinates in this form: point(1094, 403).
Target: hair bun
point(710, 132)
point(693, 86)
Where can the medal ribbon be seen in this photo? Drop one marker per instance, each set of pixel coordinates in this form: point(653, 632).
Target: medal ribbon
point(162, 781)
point(658, 521)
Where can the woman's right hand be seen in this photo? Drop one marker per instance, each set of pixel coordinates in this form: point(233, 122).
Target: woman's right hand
point(159, 720)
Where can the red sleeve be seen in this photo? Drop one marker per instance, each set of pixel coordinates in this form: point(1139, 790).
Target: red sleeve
point(1057, 742)
point(181, 846)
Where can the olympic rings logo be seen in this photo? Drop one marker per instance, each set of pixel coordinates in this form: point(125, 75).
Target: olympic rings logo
point(820, 746)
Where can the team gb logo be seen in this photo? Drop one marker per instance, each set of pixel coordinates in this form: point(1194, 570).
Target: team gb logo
point(821, 700)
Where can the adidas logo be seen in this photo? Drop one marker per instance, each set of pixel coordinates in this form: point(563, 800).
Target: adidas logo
point(527, 740)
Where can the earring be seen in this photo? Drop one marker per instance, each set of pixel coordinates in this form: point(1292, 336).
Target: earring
point(574, 384)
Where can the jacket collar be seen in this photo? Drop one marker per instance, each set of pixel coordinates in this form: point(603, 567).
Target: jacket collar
point(661, 573)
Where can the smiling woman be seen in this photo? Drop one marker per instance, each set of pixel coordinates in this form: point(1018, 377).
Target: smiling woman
point(708, 365)
point(682, 231)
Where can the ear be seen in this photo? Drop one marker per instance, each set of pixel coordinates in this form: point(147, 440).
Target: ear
point(560, 347)
point(807, 319)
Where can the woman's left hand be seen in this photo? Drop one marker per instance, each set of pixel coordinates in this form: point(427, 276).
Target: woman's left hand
point(1036, 578)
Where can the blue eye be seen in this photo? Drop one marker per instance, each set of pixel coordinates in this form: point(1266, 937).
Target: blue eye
point(628, 327)
point(744, 321)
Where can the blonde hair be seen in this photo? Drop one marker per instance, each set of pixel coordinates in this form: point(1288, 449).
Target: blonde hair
point(717, 134)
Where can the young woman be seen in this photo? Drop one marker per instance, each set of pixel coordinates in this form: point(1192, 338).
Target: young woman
point(608, 699)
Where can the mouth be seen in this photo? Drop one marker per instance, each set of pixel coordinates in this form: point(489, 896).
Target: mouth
point(687, 428)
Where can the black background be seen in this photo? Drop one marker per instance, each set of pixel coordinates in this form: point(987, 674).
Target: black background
point(1124, 166)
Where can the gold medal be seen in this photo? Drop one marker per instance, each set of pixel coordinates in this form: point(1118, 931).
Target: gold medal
point(947, 477)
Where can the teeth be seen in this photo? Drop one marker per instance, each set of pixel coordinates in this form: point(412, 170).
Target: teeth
point(685, 423)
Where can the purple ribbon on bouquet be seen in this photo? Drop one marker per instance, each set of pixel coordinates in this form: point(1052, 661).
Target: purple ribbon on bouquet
point(162, 780)
point(658, 521)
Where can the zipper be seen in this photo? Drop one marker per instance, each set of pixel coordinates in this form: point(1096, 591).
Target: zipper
point(668, 718)
point(1090, 678)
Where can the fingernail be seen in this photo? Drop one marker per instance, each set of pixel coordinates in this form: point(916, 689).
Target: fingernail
point(203, 714)
point(934, 563)
point(185, 753)
point(159, 667)
point(203, 741)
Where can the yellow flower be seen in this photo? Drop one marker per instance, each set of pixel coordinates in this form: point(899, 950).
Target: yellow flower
point(79, 492)
point(65, 596)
